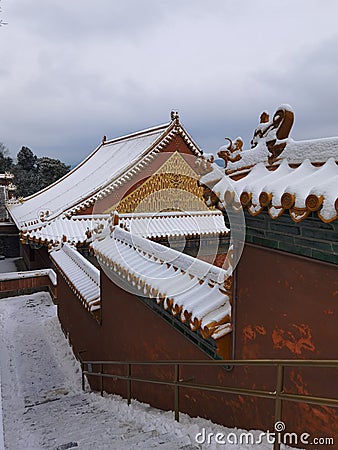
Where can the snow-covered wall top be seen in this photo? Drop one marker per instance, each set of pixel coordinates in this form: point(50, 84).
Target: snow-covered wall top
point(30, 274)
point(295, 152)
point(271, 144)
point(191, 289)
point(277, 173)
point(190, 223)
point(77, 229)
point(82, 277)
point(300, 190)
point(74, 230)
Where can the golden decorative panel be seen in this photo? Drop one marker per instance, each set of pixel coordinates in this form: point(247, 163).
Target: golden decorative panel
point(173, 187)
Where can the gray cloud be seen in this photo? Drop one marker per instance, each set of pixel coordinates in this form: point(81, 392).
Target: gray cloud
point(73, 71)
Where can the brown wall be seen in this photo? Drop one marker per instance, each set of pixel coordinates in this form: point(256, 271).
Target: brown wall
point(284, 309)
point(21, 286)
point(35, 258)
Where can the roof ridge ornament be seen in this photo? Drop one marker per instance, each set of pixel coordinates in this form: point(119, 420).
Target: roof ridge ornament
point(174, 116)
point(275, 132)
point(233, 152)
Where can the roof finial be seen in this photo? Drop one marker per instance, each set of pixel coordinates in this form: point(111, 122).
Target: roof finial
point(104, 139)
point(174, 116)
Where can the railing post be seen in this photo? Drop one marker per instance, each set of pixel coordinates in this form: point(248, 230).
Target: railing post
point(82, 376)
point(278, 404)
point(177, 393)
point(101, 380)
point(129, 384)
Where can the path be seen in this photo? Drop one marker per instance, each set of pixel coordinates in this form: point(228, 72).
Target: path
point(44, 407)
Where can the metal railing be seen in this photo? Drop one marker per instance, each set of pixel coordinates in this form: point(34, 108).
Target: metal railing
point(278, 395)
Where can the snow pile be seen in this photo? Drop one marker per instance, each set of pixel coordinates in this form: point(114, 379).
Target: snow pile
point(44, 407)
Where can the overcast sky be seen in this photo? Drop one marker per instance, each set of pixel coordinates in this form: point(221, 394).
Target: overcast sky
point(74, 70)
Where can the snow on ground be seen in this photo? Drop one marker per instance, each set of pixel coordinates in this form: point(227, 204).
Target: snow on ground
point(45, 408)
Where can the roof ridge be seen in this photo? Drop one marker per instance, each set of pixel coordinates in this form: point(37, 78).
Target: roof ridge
point(138, 133)
point(138, 242)
point(101, 144)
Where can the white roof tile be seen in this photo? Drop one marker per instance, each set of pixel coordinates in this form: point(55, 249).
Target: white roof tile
point(295, 152)
point(298, 183)
point(74, 228)
point(105, 163)
point(82, 277)
point(186, 285)
point(190, 223)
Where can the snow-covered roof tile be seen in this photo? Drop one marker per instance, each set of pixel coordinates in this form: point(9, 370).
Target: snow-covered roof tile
point(300, 190)
point(81, 276)
point(271, 144)
point(111, 164)
point(168, 224)
point(191, 289)
point(76, 229)
point(106, 163)
point(295, 152)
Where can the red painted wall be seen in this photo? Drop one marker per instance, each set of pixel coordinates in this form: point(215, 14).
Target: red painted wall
point(284, 309)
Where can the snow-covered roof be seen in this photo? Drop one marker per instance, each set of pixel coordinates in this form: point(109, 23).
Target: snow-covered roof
point(81, 276)
point(317, 151)
point(175, 224)
point(192, 290)
point(300, 190)
point(108, 167)
point(76, 229)
point(73, 230)
point(277, 173)
point(271, 144)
